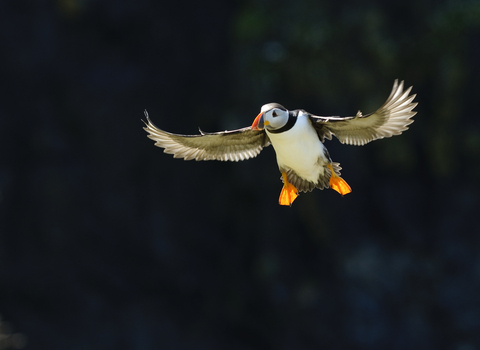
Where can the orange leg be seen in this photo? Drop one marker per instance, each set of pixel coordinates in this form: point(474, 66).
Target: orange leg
point(337, 183)
point(289, 192)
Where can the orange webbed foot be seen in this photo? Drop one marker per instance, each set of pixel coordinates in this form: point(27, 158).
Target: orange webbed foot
point(338, 184)
point(289, 192)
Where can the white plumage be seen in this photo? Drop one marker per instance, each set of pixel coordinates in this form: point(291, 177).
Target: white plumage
point(300, 149)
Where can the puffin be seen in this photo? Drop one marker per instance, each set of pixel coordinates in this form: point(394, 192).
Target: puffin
point(297, 137)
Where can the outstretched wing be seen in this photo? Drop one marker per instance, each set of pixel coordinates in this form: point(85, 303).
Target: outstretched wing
point(231, 145)
point(391, 119)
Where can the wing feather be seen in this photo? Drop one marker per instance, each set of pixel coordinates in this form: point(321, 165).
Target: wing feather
point(233, 145)
point(392, 118)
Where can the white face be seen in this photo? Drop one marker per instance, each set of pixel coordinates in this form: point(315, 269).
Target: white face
point(275, 118)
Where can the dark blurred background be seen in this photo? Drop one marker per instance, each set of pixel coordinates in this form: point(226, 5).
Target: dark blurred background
point(107, 243)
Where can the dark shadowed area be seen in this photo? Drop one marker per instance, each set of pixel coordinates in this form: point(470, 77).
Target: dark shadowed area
point(108, 243)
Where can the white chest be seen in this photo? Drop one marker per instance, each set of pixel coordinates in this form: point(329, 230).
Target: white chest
point(300, 149)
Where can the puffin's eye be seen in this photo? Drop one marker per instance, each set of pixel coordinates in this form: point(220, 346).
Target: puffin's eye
point(274, 114)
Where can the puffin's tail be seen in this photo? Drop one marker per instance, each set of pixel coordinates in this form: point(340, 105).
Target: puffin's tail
point(324, 181)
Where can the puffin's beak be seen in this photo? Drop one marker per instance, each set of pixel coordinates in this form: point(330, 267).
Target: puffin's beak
point(258, 122)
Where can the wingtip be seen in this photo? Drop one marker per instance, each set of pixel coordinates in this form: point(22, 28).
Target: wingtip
point(146, 115)
point(148, 119)
point(149, 122)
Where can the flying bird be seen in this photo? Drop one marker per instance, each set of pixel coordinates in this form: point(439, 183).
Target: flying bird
point(297, 137)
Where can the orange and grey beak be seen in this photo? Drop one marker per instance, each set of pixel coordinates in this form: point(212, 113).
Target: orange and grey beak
point(258, 122)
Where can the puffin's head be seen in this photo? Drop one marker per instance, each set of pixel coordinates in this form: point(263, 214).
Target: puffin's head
point(272, 116)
